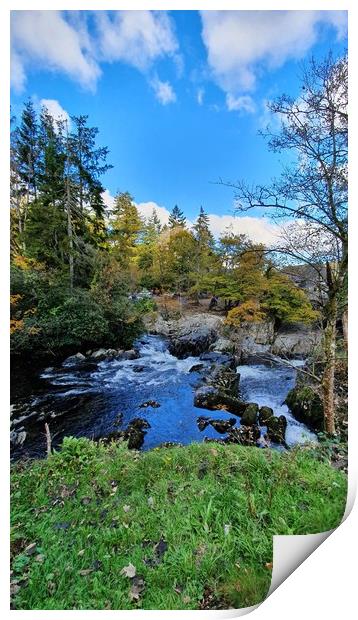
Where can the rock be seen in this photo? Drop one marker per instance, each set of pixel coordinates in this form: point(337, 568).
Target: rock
point(223, 345)
point(18, 438)
point(30, 549)
point(299, 341)
point(306, 406)
point(100, 354)
point(74, 359)
point(207, 397)
point(265, 414)
point(223, 426)
point(276, 429)
point(138, 368)
point(224, 379)
point(221, 359)
point(245, 435)
point(197, 368)
point(192, 343)
point(139, 423)
point(249, 417)
point(131, 354)
point(202, 422)
point(149, 403)
point(103, 354)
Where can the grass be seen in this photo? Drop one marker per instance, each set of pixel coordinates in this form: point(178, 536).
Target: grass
point(196, 523)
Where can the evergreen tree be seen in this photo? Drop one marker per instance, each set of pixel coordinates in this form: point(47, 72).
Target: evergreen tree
point(203, 233)
point(177, 218)
point(28, 150)
point(126, 227)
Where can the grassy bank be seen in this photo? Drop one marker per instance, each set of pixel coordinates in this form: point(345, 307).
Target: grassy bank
point(196, 523)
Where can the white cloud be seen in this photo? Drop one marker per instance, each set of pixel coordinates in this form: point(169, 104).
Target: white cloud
point(243, 103)
point(240, 43)
point(62, 42)
point(146, 209)
point(259, 230)
point(55, 109)
point(45, 39)
point(135, 37)
point(163, 91)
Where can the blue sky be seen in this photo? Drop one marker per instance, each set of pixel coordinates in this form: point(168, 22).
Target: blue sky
point(178, 97)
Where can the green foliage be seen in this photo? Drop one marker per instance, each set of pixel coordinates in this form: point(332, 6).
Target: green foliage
point(176, 218)
point(218, 526)
point(285, 302)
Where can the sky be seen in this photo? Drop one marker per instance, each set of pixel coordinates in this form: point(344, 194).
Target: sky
point(178, 96)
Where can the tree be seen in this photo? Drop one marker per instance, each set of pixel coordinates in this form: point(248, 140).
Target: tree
point(126, 226)
point(176, 218)
point(313, 189)
point(204, 258)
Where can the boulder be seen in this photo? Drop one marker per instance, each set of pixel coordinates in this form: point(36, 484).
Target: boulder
point(193, 343)
point(276, 429)
point(249, 417)
point(135, 433)
point(202, 422)
point(131, 354)
point(306, 406)
point(74, 359)
point(207, 397)
point(100, 354)
point(223, 426)
point(225, 379)
point(197, 368)
point(265, 414)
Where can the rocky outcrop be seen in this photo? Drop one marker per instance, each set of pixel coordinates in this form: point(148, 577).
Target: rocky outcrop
point(298, 342)
point(191, 334)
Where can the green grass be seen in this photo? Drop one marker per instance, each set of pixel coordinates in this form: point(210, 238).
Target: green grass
point(74, 506)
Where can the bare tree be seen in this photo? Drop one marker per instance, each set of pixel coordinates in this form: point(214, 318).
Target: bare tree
point(313, 190)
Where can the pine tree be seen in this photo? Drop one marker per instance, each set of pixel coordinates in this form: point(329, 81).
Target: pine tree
point(177, 218)
point(28, 151)
point(126, 227)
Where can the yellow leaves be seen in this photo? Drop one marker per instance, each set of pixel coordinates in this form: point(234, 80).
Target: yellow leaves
point(248, 312)
point(14, 299)
point(16, 325)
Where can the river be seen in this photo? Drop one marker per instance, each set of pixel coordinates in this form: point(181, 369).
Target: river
point(93, 400)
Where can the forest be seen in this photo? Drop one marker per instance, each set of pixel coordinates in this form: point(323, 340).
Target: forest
point(76, 264)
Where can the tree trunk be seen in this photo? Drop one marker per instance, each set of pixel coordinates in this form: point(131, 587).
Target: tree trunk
point(329, 369)
point(345, 327)
point(69, 233)
point(68, 210)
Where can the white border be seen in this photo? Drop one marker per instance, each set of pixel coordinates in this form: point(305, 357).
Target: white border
point(323, 585)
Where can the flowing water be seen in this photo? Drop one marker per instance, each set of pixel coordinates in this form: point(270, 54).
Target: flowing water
point(93, 400)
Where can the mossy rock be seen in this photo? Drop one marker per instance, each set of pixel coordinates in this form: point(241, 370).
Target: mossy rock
point(207, 397)
point(249, 417)
point(276, 429)
point(265, 414)
point(306, 406)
